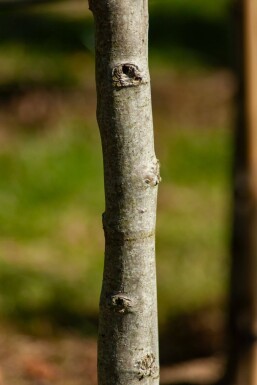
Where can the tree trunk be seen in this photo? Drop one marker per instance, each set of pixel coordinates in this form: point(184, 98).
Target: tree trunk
point(242, 365)
point(128, 338)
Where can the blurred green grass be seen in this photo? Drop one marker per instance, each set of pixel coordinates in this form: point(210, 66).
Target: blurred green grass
point(50, 222)
point(51, 199)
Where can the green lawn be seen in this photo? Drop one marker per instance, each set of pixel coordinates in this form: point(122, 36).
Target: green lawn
point(50, 222)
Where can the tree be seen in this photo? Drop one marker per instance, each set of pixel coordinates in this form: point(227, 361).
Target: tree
point(128, 338)
point(242, 362)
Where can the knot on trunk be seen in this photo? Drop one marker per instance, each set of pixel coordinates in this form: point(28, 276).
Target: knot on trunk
point(152, 176)
point(120, 303)
point(147, 368)
point(126, 75)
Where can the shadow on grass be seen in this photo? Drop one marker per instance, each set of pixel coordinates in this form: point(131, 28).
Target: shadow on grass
point(15, 4)
point(46, 33)
point(174, 33)
point(192, 335)
point(42, 303)
point(190, 36)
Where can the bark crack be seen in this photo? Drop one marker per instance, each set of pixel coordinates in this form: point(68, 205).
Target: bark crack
point(113, 231)
point(118, 235)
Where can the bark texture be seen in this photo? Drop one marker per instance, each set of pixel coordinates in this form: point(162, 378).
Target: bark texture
point(128, 338)
point(242, 364)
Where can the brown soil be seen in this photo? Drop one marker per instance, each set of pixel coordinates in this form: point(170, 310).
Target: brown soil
point(71, 360)
point(197, 101)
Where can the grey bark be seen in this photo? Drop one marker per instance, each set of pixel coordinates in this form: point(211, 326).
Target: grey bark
point(242, 361)
point(128, 337)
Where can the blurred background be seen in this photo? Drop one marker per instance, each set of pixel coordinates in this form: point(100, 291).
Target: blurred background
point(51, 189)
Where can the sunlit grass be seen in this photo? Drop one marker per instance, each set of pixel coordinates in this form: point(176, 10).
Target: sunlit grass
point(52, 200)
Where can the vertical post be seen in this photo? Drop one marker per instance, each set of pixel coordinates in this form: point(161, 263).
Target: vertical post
point(242, 364)
point(128, 338)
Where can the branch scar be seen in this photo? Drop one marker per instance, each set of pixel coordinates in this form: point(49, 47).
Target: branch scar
point(146, 367)
point(126, 75)
point(152, 177)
